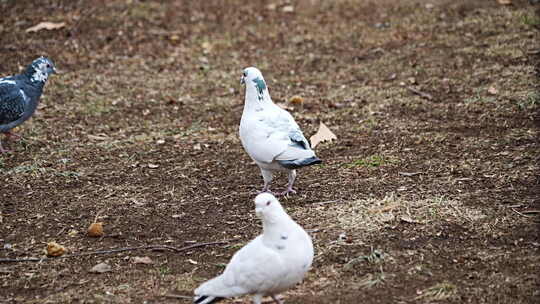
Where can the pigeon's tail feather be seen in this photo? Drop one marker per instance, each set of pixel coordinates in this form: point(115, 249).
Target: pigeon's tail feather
point(298, 163)
point(206, 299)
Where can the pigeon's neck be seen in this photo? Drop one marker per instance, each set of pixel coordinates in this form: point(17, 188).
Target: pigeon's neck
point(33, 89)
point(253, 101)
point(274, 223)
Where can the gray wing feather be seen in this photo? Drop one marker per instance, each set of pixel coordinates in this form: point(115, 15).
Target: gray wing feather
point(12, 101)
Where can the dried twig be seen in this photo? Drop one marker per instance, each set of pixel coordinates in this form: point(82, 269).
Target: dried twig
point(420, 93)
point(519, 212)
point(327, 202)
point(116, 250)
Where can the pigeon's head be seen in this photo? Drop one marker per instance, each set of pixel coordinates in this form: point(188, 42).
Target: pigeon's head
point(253, 79)
point(40, 69)
point(266, 205)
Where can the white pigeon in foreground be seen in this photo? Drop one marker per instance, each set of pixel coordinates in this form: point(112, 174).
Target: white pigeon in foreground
point(270, 135)
point(271, 263)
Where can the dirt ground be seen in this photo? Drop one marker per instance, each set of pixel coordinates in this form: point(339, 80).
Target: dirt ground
point(430, 194)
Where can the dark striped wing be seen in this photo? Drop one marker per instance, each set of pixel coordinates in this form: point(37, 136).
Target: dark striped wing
point(12, 101)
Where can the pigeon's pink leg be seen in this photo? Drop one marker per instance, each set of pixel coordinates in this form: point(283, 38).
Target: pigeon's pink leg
point(289, 190)
point(267, 177)
point(292, 177)
point(2, 150)
point(266, 189)
point(11, 135)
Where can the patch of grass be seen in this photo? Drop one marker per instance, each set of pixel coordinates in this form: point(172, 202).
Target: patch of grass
point(368, 162)
point(372, 280)
point(438, 292)
point(531, 101)
point(376, 256)
point(68, 174)
point(187, 282)
point(530, 20)
point(164, 270)
point(478, 97)
point(374, 214)
point(33, 168)
point(235, 246)
point(221, 265)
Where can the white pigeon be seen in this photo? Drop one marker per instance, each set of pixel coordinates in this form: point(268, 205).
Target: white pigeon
point(270, 135)
point(271, 263)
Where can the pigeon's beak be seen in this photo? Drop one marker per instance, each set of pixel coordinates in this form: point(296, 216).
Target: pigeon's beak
point(242, 80)
point(55, 71)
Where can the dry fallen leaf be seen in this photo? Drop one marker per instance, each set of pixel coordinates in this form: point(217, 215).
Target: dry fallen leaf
point(142, 260)
point(407, 219)
point(288, 9)
point(505, 2)
point(101, 268)
point(46, 26)
point(493, 91)
point(73, 232)
point(153, 166)
point(322, 134)
point(296, 100)
point(96, 229)
point(54, 249)
point(409, 174)
point(98, 137)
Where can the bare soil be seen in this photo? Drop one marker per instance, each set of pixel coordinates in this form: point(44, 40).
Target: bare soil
point(430, 194)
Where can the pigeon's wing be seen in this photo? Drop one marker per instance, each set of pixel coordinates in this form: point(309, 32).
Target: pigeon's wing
point(273, 133)
point(298, 147)
point(253, 269)
point(12, 101)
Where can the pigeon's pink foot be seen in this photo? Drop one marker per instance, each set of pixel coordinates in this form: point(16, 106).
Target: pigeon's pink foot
point(289, 190)
point(12, 136)
point(2, 150)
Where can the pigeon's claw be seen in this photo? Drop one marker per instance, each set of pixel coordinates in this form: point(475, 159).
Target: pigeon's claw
point(2, 150)
point(12, 136)
point(289, 190)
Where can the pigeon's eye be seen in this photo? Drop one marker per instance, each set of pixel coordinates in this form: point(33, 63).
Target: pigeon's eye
point(245, 74)
point(48, 65)
point(268, 203)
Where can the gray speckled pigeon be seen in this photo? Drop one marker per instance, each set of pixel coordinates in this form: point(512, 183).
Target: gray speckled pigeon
point(270, 135)
point(19, 95)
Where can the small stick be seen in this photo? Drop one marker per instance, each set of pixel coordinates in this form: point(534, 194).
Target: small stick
point(151, 247)
point(326, 202)
point(519, 212)
point(420, 93)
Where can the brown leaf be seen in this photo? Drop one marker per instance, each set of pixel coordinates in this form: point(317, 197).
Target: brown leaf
point(296, 100)
point(95, 230)
point(54, 249)
point(288, 9)
point(504, 2)
point(322, 134)
point(101, 268)
point(407, 219)
point(142, 260)
point(493, 91)
point(46, 26)
point(409, 173)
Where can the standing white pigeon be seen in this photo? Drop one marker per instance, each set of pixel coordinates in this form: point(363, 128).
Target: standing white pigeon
point(270, 135)
point(271, 263)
